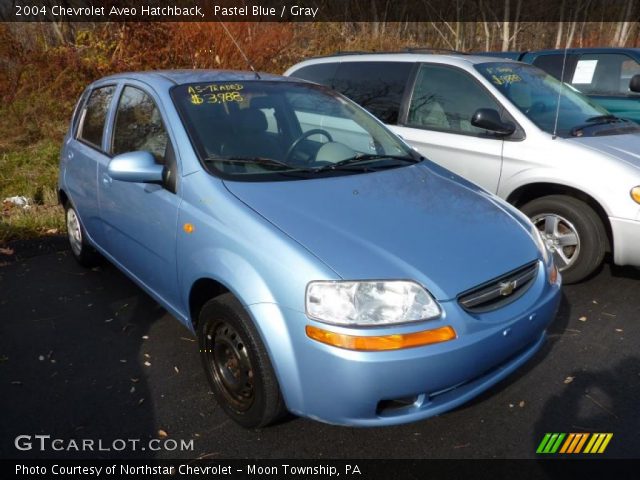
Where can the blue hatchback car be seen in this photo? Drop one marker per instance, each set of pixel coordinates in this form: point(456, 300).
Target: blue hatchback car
point(326, 267)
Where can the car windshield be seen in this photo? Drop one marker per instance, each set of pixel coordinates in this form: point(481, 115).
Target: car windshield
point(536, 94)
point(262, 130)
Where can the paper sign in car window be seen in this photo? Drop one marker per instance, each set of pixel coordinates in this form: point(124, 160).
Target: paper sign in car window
point(584, 71)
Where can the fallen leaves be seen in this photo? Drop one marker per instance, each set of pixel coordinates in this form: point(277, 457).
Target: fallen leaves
point(7, 251)
point(582, 318)
point(568, 380)
point(162, 433)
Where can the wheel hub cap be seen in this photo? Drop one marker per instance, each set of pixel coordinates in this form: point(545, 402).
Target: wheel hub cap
point(560, 237)
point(74, 232)
point(231, 366)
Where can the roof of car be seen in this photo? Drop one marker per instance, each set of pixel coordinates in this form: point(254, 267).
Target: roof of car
point(179, 77)
point(451, 59)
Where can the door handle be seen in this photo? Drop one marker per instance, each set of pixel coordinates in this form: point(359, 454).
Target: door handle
point(106, 179)
point(70, 155)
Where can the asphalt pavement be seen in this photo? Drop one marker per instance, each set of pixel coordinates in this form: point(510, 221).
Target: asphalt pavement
point(86, 354)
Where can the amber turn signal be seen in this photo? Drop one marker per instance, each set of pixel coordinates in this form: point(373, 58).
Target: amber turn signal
point(384, 342)
point(635, 194)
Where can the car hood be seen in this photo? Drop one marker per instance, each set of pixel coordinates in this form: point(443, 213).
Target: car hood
point(623, 147)
point(404, 223)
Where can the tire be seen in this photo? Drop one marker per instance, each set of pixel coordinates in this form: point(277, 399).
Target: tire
point(84, 253)
point(573, 231)
point(237, 365)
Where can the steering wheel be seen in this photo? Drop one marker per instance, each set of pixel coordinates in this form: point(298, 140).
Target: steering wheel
point(536, 107)
point(306, 134)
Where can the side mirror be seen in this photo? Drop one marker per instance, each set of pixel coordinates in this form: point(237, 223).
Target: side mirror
point(139, 167)
point(634, 83)
point(489, 119)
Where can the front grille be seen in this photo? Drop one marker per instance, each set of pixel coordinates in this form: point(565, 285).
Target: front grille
point(499, 291)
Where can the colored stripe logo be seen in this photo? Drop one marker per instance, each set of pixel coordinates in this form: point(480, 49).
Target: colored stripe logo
point(574, 443)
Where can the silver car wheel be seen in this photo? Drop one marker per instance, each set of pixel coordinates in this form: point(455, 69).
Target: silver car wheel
point(561, 238)
point(74, 232)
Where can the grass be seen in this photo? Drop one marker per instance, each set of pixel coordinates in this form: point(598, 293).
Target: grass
point(30, 171)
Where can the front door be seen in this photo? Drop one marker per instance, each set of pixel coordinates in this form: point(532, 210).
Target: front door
point(438, 124)
point(140, 218)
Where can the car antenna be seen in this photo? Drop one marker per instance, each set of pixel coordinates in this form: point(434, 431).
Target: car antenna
point(241, 51)
point(555, 122)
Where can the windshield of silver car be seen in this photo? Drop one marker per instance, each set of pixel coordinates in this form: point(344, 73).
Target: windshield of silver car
point(536, 94)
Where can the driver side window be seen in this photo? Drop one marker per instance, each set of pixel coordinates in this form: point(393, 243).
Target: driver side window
point(445, 99)
point(138, 126)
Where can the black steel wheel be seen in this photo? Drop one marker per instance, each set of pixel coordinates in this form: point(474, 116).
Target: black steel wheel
point(237, 364)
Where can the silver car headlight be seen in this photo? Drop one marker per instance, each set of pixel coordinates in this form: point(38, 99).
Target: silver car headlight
point(540, 243)
point(369, 303)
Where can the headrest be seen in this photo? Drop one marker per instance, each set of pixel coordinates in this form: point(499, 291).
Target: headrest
point(252, 120)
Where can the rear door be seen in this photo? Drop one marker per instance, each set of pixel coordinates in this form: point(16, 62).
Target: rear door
point(85, 152)
point(140, 219)
point(438, 124)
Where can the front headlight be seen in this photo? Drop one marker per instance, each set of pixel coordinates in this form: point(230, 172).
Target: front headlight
point(540, 243)
point(369, 303)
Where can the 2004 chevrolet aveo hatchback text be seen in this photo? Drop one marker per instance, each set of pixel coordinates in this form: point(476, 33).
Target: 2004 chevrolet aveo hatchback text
point(326, 267)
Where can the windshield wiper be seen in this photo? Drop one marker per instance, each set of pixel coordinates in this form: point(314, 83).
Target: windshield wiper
point(364, 158)
point(271, 162)
point(602, 118)
point(597, 121)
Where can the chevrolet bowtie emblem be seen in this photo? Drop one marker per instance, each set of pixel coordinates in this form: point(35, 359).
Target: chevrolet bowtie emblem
point(507, 288)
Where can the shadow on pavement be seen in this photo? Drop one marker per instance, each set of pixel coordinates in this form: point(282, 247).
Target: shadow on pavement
point(72, 359)
point(602, 400)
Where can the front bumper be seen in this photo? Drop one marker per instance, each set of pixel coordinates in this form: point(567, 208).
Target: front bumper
point(626, 241)
point(347, 387)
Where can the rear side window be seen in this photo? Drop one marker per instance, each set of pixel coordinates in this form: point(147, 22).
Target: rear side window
point(552, 64)
point(138, 125)
point(604, 73)
point(77, 112)
point(377, 86)
point(322, 73)
point(94, 115)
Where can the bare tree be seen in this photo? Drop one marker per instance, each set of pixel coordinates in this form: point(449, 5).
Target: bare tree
point(624, 27)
